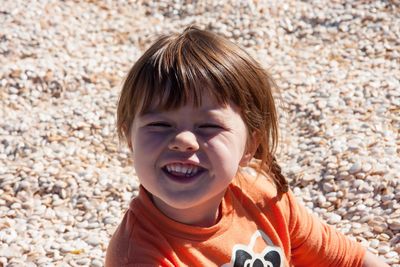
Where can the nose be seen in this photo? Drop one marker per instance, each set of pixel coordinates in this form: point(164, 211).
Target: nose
point(184, 141)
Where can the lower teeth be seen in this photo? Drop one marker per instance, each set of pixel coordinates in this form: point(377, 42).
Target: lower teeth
point(181, 174)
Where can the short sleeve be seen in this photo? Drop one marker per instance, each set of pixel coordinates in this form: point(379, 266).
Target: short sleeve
point(314, 243)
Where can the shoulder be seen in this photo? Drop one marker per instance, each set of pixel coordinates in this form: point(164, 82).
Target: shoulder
point(255, 183)
point(122, 241)
point(262, 191)
point(133, 242)
point(258, 186)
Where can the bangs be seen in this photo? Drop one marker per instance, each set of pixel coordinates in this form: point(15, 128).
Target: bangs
point(181, 71)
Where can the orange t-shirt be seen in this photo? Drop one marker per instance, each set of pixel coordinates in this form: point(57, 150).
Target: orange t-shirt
point(256, 228)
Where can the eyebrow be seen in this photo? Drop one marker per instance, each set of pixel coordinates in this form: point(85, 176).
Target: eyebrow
point(149, 115)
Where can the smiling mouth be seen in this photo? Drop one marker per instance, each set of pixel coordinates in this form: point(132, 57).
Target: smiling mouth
point(182, 170)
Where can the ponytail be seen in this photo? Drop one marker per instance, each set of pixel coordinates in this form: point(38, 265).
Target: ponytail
point(277, 176)
point(271, 168)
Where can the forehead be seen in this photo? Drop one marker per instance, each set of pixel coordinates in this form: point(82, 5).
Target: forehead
point(202, 100)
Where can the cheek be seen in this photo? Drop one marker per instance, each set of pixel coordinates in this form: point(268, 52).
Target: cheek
point(144, 167)
point(232, 146)
point(147, 143)
point(145, 151)
point(226, 156)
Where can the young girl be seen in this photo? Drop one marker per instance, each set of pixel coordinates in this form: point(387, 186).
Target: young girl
point(198, 114)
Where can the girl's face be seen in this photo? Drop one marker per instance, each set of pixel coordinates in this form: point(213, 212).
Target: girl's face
point(186, 158)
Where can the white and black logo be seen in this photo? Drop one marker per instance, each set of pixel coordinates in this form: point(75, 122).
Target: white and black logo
point(244, 256)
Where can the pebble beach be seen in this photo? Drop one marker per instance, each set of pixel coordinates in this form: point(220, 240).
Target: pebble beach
point(65, 178)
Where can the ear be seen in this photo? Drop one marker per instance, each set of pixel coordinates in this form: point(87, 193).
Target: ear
point(251, 148)
point(241, 256)
point(273, 257)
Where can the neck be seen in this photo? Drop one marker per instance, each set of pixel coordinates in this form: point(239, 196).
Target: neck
point(204, 216)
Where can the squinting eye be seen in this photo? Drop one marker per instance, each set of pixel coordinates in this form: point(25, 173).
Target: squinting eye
point(212, 126)
point(158, 124)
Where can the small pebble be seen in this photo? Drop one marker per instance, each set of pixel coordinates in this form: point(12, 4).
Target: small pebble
point(356, 167)
point(96, 263)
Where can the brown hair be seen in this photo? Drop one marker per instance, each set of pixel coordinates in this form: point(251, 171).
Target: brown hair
point(179, 68)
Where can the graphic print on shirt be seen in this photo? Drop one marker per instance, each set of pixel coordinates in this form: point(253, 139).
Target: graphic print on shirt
point(244, 256)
